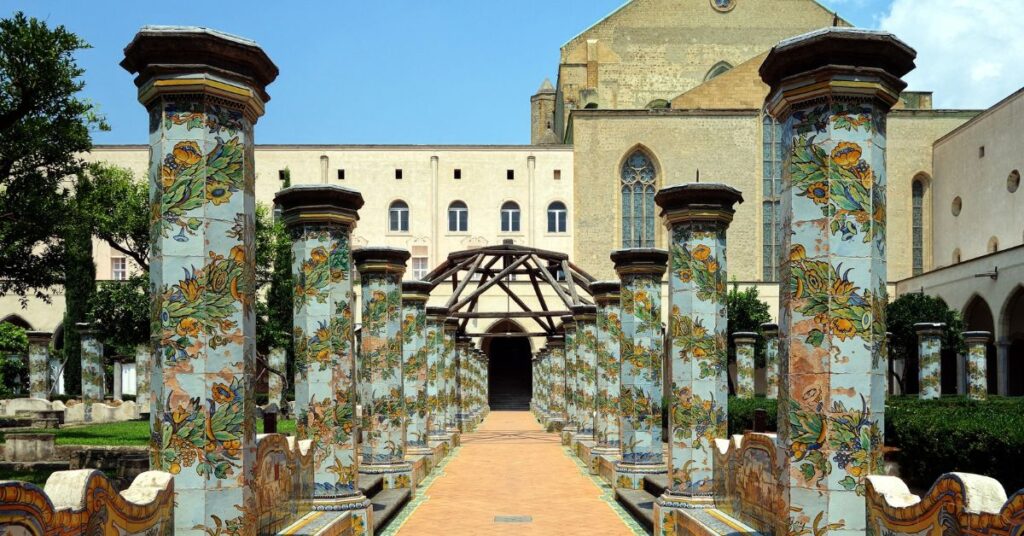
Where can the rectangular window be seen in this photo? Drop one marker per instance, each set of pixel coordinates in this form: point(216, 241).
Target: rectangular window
point(510, 221)
point(981, 152)
point(419, 267)
point(341, 174)
point(458, 220)
point(771, 229)
point(510, 174)
point(398, 174)
point(118, 269)
point(282, 175)
point(558, 174)
point(457, 175)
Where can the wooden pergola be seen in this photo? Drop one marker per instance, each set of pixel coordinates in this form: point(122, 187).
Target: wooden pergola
point(494, 266)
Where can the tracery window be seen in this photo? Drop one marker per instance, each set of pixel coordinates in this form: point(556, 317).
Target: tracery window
point(637, 186)
point(771, 215)
point(917, 194)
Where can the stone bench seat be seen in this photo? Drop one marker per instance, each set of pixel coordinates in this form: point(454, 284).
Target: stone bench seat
point(709, 522)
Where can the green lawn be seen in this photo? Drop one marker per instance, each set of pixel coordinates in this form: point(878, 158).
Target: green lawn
point(130, 433)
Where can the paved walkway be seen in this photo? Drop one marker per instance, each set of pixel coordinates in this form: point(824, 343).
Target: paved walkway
point(511, 467)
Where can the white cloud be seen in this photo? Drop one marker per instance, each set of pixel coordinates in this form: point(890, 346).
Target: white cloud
point(969, 52)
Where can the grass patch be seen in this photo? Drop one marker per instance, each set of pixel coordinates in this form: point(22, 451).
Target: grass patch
point(128, 433)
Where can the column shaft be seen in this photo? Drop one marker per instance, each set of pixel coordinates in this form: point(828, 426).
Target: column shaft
point(745, 346)
point(977, 363)
point(585, 317)
point(39, 364)
point(414, 364)
point(434, 342)
point(609, 331)
point(929, 358)
point(571, 375)
point(770, 332)
point(93, 378)
point(557, 395)
point(276, 360)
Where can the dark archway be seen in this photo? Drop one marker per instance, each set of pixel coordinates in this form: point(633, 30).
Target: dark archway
point(509, 368)
point(1013, 336)
point(978, 317)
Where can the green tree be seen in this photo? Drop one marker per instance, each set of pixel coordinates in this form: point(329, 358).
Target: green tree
point(274, 285)
point(44, 126)
point(746, 313)
point(900, 316)
point(122, 309)
point(79, 279)
point(13, 349)
point(119, 208)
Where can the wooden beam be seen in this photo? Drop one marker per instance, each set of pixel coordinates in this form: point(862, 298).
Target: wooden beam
point(554, 284)
point(464, 282)
point(582, 272)
point(506, 335)
point(484, 274)
point(482, 288)
point(569, 279)
point(510, 314)
point(519, 301)
point(447, 273)
point(540, 298)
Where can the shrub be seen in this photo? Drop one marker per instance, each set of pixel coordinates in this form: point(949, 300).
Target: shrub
point(741, 413)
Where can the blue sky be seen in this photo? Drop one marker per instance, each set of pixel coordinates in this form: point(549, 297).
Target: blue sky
point(381, 72)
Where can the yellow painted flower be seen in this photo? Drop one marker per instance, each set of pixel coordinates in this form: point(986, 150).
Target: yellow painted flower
point(187, 327)
point(190, 288)
point(841, 287)
point(187, 153)
point(318, 255)
point(699, 352)
point(379, 295)
point(238, 254)
point(222, 394)
point(167, 176)
point(701, 252)
point(864, 173)
point(685, 276)
point(846, 154)
point(712, 266)
point(323, 355)
point(323, 334)
point(818, 192)
point(797, 252)
point(218, 193)
point(843, 328)
point(179, 415)
point(699, 331)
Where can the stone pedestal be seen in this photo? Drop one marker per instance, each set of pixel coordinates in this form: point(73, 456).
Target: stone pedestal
point(433, 341)
point(642, 350)
point(556, 395)
point(697, 217)
point(977, 363)
point(414, 365)
point(39, 364)
point(609, 330)
point(277, 361)
point(143, 378)
point(379, 366)
point(831, 89)
point(745, 342)
point(585, 318)
point(93, 378)
point(204, 91)
point(320, 220)
point(770, 332)
point(929, 358)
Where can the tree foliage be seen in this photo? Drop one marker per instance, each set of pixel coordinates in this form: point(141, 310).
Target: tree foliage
point(274, 283)
point(121, 308)
point(119, 208)
point(746, 313)
point(900, 316)
point(44, 126)
point(13, 349)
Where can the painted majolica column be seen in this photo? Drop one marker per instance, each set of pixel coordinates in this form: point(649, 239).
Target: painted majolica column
point(540, 383)
point(463, 349)
point(556, 379)
point(697, 217)
point(770, 332)
point(585, 339)
point(433, 341)
point(143, 378)
point(39, 364)
point(642, 350)
point(451, 368)
point(93, 383)
point(414, 364)
point(204, 91)
point(977, 363)
point(609, 330)
point(571, 394)
point(745, 342)
point(277, 361)
point(320, 220)
point(379, 365)
point(831, 89)
point(929, 358)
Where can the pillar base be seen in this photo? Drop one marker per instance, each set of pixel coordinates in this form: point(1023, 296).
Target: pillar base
point(396, 475)
point(554, 424)
point(606, 449)
point(418, 450)
point(663, 506)
point(631, 476)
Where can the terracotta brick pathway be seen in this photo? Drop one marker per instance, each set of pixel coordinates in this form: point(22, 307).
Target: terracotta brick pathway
point(511, 467)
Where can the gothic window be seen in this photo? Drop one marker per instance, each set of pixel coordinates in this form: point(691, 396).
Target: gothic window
point(638, 184)
point(398, 217)
point(556, 217)
point(771, 215)
point(917, 195)
point(510, 217)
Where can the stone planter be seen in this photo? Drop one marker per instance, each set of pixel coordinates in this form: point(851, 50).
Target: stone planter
point(30, 447)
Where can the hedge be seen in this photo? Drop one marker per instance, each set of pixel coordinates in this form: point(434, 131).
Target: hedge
point(935, 436)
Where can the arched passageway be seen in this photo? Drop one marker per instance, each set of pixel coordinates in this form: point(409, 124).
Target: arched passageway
point(1013, 337)
point(978, 317)
point(510, 372)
